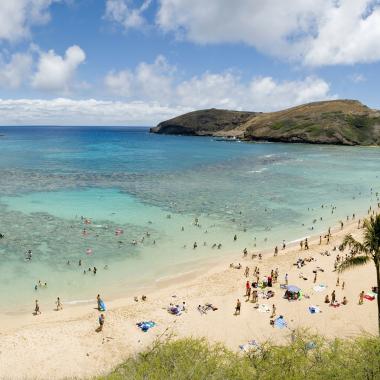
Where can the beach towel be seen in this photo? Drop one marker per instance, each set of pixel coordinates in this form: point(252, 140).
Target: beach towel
point(314, 310)
point(369, 297)
point(264, 308)
point(251, 345)
point(320, 288)
point(280, 323)
point(145, 326)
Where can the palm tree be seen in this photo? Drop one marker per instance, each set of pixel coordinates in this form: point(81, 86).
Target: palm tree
point(363, 253)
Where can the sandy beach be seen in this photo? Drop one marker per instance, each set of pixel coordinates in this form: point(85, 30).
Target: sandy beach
point(64, 344)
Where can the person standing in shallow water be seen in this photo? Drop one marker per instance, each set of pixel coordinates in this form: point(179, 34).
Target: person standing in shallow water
point(37, 309)
point(59, 304)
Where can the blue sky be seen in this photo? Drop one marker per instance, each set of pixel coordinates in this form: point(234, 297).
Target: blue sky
point(137, 62)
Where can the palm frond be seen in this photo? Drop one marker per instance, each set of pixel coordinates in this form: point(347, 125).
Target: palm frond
point(354, 245)
point(372, 234)
point(353, 261)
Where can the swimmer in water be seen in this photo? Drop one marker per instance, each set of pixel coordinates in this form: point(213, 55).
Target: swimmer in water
point(28, 255)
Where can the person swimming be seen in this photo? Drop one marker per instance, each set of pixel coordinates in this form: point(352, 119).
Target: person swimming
point(28, 255)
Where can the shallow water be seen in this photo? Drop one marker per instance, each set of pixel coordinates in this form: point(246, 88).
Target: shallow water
point(150, 186)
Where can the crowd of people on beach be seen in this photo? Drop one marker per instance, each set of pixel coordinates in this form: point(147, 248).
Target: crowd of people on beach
point(257, 285)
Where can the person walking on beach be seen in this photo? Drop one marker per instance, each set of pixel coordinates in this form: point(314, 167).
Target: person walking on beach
point(275, 251)
point(247, 288)
point(315, 277)
point(246, 272)
point(286, 279)
point(59, 304)
point(333, 297)
point(100, 302)
point(249, 293)
point(273, 311)
point(306, 244)
point(361, 297)
point(238, 307)
point(101, 322)
point(38, 311)
point(301, 244)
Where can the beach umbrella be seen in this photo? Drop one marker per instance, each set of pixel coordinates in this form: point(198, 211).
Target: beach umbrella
point(293, 289)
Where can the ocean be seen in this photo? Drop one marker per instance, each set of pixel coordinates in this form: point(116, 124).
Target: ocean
point(133, 204)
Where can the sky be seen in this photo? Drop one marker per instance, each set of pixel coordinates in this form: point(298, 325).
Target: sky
point(138, 62)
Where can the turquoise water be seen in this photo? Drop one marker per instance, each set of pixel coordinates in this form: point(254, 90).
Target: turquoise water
point(151, 186)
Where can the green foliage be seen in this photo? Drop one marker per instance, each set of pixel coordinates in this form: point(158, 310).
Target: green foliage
point(307, 357)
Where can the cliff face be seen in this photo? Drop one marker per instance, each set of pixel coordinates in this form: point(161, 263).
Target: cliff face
point(210, 122)
point(346, 122)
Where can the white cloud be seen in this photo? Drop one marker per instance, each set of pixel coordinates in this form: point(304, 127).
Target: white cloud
point(269, 95)
point(357, 78)
point(259, 94)
point(223, 90)
point(63, 111)
point(17, 16)
point(54, 72)
point(16, 71)
point(147, 81)
point(316, 32)
point(121, 12)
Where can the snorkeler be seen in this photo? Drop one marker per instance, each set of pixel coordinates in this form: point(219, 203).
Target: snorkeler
point(28, 255)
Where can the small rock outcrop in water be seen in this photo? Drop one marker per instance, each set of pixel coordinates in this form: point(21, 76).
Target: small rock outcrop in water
point(343, 122)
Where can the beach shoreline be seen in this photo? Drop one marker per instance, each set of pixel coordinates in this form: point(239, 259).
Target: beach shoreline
point(69, 336)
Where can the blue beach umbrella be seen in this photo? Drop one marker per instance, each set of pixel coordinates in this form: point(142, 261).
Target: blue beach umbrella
point(293, 289)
